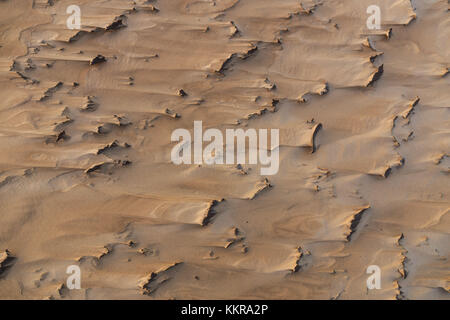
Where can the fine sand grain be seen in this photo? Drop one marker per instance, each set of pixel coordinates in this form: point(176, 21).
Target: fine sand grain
point(86, 176)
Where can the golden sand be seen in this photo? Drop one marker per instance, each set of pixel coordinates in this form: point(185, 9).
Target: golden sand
point(86, 177)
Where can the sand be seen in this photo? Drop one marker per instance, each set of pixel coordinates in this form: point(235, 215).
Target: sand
point(86, 176)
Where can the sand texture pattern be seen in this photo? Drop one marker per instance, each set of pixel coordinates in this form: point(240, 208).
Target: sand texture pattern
point(86, 177)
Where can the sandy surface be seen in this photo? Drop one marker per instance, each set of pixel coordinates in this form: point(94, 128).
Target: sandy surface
point(86, 176)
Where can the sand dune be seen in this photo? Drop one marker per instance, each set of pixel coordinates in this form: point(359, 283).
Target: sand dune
point(86, 178)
